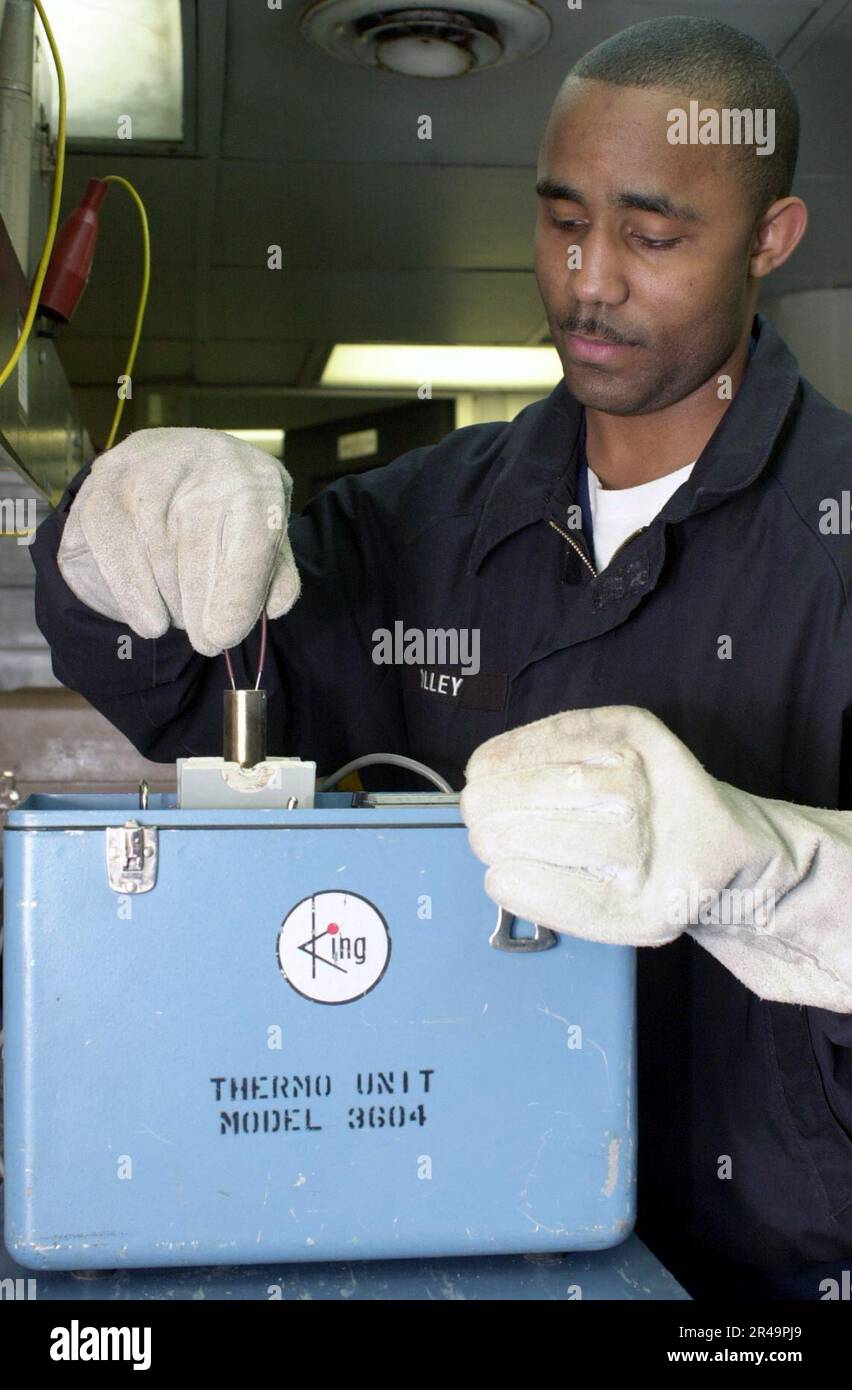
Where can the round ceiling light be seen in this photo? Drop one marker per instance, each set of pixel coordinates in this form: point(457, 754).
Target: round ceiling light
point(421, 39)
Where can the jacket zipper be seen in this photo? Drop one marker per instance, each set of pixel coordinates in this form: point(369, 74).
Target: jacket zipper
point(627, 541)
point(582, 554)
point(574, 546)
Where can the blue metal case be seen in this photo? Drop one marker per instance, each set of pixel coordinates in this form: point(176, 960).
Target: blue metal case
point(302, 1041)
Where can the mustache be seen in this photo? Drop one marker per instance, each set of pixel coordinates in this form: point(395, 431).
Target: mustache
point(593, 328)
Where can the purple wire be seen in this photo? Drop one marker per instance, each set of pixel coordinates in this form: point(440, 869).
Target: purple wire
point(227, 655)
point(261, 659)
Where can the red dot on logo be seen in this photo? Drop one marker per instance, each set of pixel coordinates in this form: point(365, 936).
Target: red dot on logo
point(332, 929)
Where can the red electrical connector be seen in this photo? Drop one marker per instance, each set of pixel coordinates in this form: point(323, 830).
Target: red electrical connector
point(73, 252)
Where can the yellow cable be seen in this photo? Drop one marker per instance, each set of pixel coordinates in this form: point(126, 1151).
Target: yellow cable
point(50, 238)
point(143, 298)
point(55, 201)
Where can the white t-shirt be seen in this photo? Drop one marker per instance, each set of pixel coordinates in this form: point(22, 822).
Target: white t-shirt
point(618, 512)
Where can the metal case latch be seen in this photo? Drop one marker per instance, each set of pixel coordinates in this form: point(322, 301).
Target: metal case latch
point(503, 939)
point(131, 851)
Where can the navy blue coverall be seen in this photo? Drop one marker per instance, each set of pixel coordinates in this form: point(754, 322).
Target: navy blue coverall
point(456, 535)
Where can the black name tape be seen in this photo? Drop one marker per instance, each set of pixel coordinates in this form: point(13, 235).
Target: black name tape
point(485, 690)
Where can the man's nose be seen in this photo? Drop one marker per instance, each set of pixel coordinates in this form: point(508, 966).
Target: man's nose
point(600, 276)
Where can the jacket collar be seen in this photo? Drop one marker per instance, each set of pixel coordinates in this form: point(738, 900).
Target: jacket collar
point(541, 454)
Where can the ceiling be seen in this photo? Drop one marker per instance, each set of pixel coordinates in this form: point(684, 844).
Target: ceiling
point(385, 237)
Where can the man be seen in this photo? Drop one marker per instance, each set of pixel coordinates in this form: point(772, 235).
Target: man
point(671, 680)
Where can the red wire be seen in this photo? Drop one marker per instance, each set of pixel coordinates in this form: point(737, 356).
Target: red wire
point(262, 657)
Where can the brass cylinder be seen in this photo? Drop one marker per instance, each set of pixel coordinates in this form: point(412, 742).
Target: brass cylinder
point(244, 727)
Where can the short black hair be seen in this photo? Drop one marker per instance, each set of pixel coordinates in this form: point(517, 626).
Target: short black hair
point(708, 60)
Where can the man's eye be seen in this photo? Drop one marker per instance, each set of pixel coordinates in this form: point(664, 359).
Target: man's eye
point(653, 243)
point(656, 245)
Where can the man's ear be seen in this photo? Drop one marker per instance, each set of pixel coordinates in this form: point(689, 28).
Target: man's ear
point(777, 235)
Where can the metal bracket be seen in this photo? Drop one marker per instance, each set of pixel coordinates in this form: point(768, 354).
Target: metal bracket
point(9, 794)
point(502, 939)
point(362, 800)
point(131, 853)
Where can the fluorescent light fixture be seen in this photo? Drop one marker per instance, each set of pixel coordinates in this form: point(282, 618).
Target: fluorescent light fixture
point(122, 58)
point(410, 365)
point(271, 441)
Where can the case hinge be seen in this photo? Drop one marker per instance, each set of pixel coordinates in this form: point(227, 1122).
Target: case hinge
point(131, 851)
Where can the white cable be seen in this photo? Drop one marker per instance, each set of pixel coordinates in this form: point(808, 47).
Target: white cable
point(397, 760)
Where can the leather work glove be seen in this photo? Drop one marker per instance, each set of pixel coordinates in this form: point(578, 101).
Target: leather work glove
point(600, 823)
point(183, 528)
